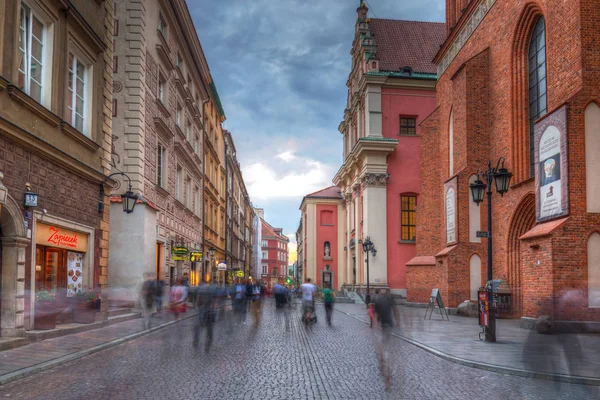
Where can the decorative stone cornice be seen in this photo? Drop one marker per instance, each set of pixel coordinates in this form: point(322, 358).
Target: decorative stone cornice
point(451, 49)
point(348, 197)
point(370, 179)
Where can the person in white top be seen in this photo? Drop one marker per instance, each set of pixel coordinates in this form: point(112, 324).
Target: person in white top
point(308, 302)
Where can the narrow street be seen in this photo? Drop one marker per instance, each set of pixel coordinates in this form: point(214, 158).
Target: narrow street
point(335, 362)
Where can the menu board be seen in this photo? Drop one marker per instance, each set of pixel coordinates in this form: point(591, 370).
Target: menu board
point(74, 273)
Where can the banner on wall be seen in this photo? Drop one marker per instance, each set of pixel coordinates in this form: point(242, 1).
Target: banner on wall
point(551, 166)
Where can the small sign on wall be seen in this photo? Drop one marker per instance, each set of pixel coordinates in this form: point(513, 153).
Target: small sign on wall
point(450, 190)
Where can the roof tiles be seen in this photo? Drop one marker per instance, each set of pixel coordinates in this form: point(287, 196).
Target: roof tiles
point(407, 44)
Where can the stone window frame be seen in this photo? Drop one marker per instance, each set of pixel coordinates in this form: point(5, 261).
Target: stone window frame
point(162, 165)
point(162, 95)
point(50, 21)
point(162, 26)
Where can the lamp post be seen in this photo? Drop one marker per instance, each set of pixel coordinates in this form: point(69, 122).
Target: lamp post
point(211, 253)
point(502, 177)
point(368, 247)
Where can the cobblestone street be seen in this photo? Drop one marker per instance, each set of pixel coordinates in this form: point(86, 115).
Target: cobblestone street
point(273, 362)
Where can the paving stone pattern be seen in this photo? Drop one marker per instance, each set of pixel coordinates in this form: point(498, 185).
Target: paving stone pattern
point(272, 362)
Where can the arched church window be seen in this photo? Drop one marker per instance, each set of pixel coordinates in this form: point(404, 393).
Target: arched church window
point(538, 102)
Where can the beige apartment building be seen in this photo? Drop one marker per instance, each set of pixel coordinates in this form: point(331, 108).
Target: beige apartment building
point(55, 142)
point(161, 90)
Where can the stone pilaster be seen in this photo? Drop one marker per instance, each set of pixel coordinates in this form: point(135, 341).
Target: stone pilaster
point(13, 287)
point(375, 223)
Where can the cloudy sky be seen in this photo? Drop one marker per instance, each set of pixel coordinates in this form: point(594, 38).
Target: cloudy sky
point(280, 67)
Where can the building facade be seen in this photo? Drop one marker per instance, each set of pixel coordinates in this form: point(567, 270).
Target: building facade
point(301, 257)
point(274, 254)
point(391, 89)
point(55, 141)
point(214, 188)
point(506, 89)
point(322, 237)
point(161, 85)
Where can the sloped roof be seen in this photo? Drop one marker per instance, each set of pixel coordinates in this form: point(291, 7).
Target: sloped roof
point(407, 44)
point(267, 231)
point(332, 192)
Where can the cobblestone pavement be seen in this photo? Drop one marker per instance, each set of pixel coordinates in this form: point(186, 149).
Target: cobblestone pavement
point(272, 362)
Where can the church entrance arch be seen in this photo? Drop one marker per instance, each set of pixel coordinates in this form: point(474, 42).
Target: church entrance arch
point(522, 221)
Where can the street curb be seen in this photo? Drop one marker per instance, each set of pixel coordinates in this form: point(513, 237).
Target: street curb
point(580, 380)
point(46, 365)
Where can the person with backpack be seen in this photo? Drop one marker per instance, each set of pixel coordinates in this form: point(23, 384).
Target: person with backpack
point(328, 300)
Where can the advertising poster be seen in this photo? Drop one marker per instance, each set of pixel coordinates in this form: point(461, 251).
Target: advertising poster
point(74, 273)
point(484, 308)
point(551, 166)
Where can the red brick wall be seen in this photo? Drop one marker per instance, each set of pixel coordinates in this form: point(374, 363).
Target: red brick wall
point(485, 88)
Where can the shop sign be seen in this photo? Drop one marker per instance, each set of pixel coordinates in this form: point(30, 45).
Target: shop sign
point(195, 255)
point(240, 274)
point(53, 236)
point(222, 267)
point(180, 250)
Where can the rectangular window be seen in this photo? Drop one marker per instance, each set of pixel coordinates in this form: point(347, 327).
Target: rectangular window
point(179, 183)
point(408, 126)
point(409, 218)
point(264, 255)
point(187, 195)
point(179, 62)
point(161, 162)
point(179, 114)
point(188, 129)
point(197, 201)
point(265, 243)
point(31, 54)
point(265, 269)
point(162, 89)
point(197, 144)
point(162, 26)
point(76, 97)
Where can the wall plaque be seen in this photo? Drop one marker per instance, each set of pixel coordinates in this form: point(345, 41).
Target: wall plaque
point(450, 190)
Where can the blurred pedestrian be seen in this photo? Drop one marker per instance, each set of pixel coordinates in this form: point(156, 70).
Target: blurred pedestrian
point(177, 299)
point(328, 299)
point(248, 298)
point(256, 303)
point(160, 288)
point(386, 312)
point(206, 301)
point(280, 297)
point(148, 296)
point(238, 301)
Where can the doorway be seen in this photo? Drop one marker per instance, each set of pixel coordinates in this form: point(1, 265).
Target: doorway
point(327, 280)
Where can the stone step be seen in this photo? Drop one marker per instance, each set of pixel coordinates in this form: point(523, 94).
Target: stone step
point(116, 311)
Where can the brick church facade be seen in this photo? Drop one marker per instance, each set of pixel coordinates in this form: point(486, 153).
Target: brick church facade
point(519, 80)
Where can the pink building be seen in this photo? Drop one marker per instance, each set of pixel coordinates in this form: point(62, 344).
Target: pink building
point(274, 257)
point(322, 241)
point(391, 89)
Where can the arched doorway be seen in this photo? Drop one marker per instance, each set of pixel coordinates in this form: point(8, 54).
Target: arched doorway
point(522, 221)
point(12, 280)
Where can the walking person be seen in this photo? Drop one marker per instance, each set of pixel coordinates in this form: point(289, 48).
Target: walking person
point(148, 297)
point(387, 316)
point(256, 303)
point(206, 302)
point(177, 298)
point(238, 301)
point(328, 300)
point(308, 302)
point(160, 288)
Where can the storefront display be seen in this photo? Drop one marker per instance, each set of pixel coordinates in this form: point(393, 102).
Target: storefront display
point(60, 260)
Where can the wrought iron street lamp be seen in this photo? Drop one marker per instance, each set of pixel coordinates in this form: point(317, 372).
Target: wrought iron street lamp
point(368, 247)
point(128, 199)
point(501, 176)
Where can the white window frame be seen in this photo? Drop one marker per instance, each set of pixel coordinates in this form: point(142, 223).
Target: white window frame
point(265, 255)
point(265, 269)
point(162, 26)
point(178, 183)
point(45, 98)
point(197, 144)
point(161, 163)
point(188, 129)
point(88, 83)
point(197, 201)
point(178, 114)
point(162, 89)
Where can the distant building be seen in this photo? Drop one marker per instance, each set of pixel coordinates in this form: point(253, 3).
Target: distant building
point(274, 254)
point(391, 90)
point(321, 237)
